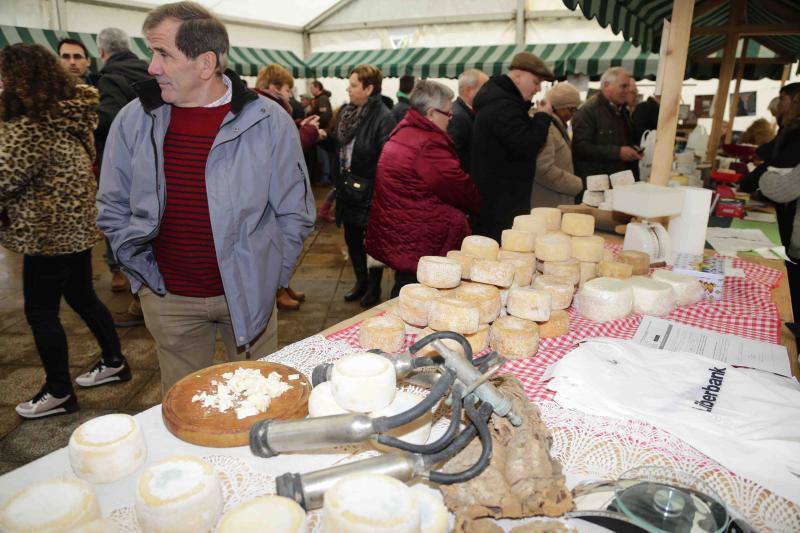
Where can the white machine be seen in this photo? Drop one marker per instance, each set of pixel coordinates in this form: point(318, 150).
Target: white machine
point(648, 201)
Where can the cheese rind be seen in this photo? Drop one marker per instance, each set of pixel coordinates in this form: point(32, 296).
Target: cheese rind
point(478, 341)
point(433, 515)
point(272, 513)
point(480, 246)
point(639, 261)
point(514, 338)
point(322, 403)
point(367, 503)
point(56, 505)
point(555, 246)
point(598, 182)
point(561, 290)
point(452, 314)
point(517, 240)
point(530, 304)
point(569, 269)
point(107, 448)
point(536, 224)
point(622, 178)
point(551, 215)
point(385, 332)
point(556, 325)
point(588, 271)
point(588, 249)
point(605, 299)
point(593, 198)
point(577, 224)
point(652, 297)
point(688, 290)
point(485, 297)
point(523, 266)
point(614, 269)
point(414, 303)
point(465, 259)
point(438, 272)
point(363, 382)
point(178, 494)
point(492, 273)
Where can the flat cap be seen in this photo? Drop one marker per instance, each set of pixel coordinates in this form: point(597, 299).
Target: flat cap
point(564, 94)
point(530, 63)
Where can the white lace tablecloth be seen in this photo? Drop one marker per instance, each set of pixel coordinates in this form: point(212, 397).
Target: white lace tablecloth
point(590, 448)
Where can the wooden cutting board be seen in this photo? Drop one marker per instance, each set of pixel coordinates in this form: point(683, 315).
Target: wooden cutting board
point(191, 422)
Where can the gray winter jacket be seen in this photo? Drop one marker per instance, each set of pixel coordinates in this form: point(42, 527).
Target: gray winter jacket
point(260, 200)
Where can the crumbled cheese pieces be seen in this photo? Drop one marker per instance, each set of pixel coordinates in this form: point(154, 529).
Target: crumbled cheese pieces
point(605, 299)
point(245, 390)
point(439, 272)
point(577, 224)
point(598, 182)
point(479, 246)
point(551, 215)
point(640, 261)
point(588, 248)
point(555, 246)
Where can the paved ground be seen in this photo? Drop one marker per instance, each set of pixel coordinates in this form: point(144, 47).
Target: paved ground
point(323, 273)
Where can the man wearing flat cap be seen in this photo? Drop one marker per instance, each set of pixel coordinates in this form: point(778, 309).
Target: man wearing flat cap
point(506, 141)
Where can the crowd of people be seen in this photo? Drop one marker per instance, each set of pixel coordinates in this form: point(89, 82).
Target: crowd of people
point(201, 185)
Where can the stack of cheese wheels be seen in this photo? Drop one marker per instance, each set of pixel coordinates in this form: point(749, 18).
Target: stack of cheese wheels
point(178, 494)
point(569, 269)
point(588, 249)
point(464, 259)
point(362, 382)
point(577, 224)
point(605, 299)
point(452, 314)
point(639, 261)
point(514, 338)
point(485, 297)
point(524, 265)
point(478, 341)
point(554, 246)
point(530, 304)
point(588, 271)
point(551, 215)
point(439, 272)
point(598, 182)
point(652, 297)
point(322, 403)
point(415, 303)
point(517, 240)
point(561, 290)
point(59, 504)
point(479, 246)
point(614, 269)
point(415, 432)
point(492, 273)
point(385, 332)
point(536, 224)
point(369, 503)
point(688, 290)
point(277, 514)
point(107, 448)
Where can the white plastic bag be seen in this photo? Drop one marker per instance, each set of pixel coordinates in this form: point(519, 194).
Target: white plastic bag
point(698, 140)
point(648, 142)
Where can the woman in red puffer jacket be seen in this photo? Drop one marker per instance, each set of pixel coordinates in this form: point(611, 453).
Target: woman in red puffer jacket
point(422, 198)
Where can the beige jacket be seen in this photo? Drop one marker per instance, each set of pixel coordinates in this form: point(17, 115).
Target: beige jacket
point(555, 182)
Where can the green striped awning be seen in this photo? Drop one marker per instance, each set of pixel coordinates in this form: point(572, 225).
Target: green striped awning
point(244, 61)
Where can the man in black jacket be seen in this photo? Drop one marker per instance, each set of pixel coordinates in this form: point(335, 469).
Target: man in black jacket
point(460, 128)
point(506, 141)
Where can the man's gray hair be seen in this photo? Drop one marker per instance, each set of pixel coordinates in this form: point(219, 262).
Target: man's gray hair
point(610, 75)
point(113, 40)
point(429, 94)
point(773, 105)
point(469, 78)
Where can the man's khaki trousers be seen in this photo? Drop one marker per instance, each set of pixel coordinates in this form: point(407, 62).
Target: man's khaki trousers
point(185, 330)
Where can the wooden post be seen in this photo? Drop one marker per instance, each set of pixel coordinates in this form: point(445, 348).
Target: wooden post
point(735, 102)
point(785, 75)
point(674, 71)
point(520, 27)
point(725, 73)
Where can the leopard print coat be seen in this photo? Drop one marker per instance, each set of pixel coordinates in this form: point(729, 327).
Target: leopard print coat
point(47, 186)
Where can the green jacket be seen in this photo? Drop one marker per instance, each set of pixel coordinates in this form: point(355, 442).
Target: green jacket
point(599, 129)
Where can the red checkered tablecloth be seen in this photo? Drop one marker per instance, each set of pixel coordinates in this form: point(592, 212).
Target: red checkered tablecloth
point(745, 309)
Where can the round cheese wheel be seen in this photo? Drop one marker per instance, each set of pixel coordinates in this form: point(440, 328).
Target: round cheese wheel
point(556, 325)
point(273, 513)
point(551, 215)
point(605, 299)
point(452, 314)
point(577, 224)
point(523, 271)
point(561, 290)
point(438, 272)
point(514, 338)
point(517, 240)
point(652, 297)
point(588, 248)
point(58, 504)
point(478, 341)
point(493, 273)
point(416, 432)
point(485, 297)
point(101, 525)
point(433, 516)
point(536, 224)
point(530, 304)
point(107, 448)
point(465, 259)
point(367, 503)
point(598, 182)
point(569, 269)
point(180, 493)
point(588, 271)
point(414, 303)
point(363, 382)
point(322, 403)
point(508, 256)
point(688, 290)
point(640, 261)
point(480, 246)
point(385, 332)
point(555, 246)
point(614, 269)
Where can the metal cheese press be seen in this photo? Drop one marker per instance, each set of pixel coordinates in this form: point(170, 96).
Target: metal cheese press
point(464, 381)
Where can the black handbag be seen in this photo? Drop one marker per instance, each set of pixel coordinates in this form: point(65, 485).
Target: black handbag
point(354, 190)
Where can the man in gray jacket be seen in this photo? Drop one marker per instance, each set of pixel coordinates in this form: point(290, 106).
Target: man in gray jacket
point(204, 197)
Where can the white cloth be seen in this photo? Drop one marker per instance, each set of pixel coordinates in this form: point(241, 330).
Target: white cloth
point(225, 98)
point(731, 415)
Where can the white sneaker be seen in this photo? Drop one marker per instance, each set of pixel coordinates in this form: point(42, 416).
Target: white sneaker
point(101, 374)
point(45, 404)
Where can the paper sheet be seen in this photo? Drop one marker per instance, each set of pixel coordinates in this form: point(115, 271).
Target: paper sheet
point(730, 241)
point(760, 217)
point(730, 349)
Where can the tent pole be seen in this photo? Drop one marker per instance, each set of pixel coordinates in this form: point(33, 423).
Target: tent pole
point(725, 74)
point(735, 102)
point(785, 74)
point(674, 71)
point(520, 23)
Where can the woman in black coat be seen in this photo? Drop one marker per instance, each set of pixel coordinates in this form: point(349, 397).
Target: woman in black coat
point(362, 129)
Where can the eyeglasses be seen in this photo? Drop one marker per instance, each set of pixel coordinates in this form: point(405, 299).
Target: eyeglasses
point(448, 114)
point(76, 57)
